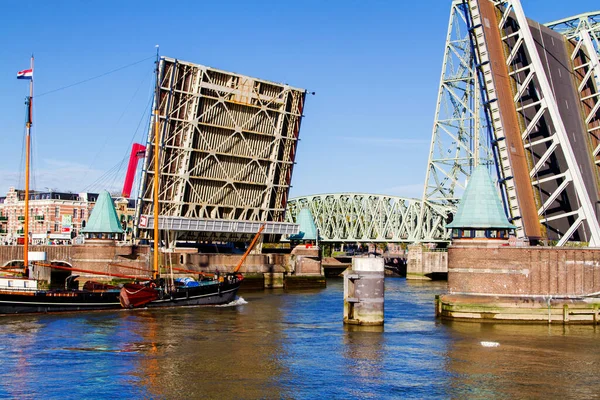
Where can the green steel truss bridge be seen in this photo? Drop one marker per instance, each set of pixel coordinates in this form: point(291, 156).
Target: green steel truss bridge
point(551, 189)
point(369, 218)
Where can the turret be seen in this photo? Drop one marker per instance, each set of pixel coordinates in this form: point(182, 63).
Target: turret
point(104, 222)
point(480, 216)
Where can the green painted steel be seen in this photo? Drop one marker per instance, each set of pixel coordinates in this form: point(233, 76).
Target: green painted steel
point(104, 217)
point(571, 26)
point(308, 229)
point(460, 139)
point(480, 206)
point(463, 130)
point(369, 218)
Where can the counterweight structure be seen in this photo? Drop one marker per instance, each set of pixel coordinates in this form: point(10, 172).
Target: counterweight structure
point(539, 94)
point(228, 145)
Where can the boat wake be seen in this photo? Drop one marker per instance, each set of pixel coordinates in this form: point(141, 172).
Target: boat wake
point(237, 302)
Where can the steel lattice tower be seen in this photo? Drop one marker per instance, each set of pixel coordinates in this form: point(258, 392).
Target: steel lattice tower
point(540, 102)
point(460, 140)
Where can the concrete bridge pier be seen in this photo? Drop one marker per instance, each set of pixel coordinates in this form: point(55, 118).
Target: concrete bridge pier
point(426, 264)
point(364, 288)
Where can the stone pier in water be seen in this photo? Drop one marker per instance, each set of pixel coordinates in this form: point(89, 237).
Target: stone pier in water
point(364, 290)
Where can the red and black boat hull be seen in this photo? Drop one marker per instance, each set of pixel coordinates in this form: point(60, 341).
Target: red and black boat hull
point(50, 301)
point(205, 294)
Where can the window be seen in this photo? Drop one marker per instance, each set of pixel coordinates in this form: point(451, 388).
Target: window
point(56, 227)
point(81, 213)
point(57, 211)
point(74, 213)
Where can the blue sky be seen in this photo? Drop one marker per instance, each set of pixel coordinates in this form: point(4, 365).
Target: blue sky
point(374, 65)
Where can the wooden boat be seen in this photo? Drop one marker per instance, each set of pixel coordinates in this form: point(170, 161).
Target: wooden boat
point(22, 295)
point(210, 289)
point(211, 292)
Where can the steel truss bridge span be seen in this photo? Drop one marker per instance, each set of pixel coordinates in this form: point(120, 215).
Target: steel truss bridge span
point(369, 218)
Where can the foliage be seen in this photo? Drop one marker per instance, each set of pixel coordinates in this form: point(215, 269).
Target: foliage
point(276, 245)
point(553, 243)
point(382, 246)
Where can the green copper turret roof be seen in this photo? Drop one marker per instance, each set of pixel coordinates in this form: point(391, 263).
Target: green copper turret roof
point(480, 206)
point(308, 229)
point(104, 216)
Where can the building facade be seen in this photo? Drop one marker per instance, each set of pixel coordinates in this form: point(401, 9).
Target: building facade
point(54, 217)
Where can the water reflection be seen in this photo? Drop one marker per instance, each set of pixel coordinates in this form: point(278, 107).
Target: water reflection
point(211, 352)
point(534, 361)
point(18, 342)
point(363, 352)
point(294, 345)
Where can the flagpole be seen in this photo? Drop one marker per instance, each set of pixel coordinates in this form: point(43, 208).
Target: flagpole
point(27, 161)
point(155, 267)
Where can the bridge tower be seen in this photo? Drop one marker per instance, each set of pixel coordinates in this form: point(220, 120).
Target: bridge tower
point(523, 98)
point(460, 138)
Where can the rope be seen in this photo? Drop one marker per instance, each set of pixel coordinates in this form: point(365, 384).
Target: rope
point(107, 137)
point(103, 180)
point(133, 137)
point(136, 292)
point(95, 77)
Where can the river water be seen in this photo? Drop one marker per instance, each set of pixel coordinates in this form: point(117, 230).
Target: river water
point(293, 345)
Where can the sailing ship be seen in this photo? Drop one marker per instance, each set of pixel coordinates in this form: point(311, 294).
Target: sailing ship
point(21, 294)
point(25, 294)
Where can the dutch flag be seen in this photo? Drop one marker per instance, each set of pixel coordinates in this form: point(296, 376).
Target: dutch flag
point(25, 74)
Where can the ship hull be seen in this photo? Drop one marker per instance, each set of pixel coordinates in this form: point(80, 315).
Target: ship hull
point(74, 301)
point(59, 301)
point(134, 296)
point(215, 296)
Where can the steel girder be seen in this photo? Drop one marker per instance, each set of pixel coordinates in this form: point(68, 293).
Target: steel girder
point(228, 145)
point(583, 33)
point(571, 26)
point(368, 218)
point(469, 127)
point(460, 139)
point(564, 193)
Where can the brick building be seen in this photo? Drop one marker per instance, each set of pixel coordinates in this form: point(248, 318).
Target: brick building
point(54, 217)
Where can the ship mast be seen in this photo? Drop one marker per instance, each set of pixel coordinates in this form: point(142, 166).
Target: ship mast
point(156, 165)
point(29, 103)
